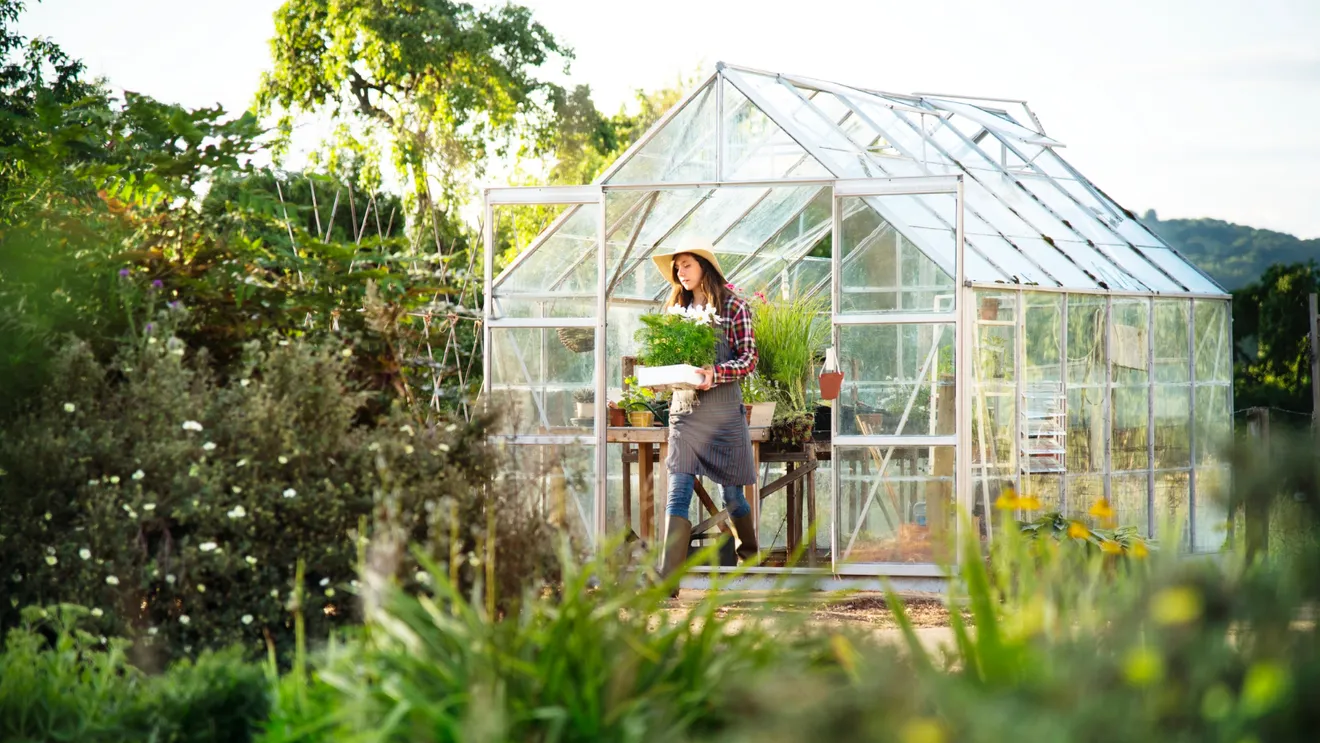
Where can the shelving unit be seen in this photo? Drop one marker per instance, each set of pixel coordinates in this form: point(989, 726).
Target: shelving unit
point(1044, 411)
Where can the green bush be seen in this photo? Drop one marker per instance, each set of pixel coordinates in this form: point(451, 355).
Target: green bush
point(59, 682)
point(176, 506)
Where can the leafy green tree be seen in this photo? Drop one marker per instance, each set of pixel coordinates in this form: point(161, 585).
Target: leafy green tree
point(1271, 335)
point(443, 80)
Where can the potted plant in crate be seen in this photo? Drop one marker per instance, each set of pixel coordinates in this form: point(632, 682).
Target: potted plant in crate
point(675, 344)
point(791, 335)
point(636, 402)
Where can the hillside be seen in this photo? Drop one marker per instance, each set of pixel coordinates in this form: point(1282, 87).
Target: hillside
point(1233, 254)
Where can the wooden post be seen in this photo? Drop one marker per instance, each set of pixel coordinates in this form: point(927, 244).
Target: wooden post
point(1258, 509)
point(941, 498)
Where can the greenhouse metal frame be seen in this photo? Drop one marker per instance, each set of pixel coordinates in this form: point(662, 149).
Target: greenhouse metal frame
point(1001, 320)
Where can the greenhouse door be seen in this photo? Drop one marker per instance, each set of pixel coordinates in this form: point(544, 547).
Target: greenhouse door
point(544, 330)
point(897, 466)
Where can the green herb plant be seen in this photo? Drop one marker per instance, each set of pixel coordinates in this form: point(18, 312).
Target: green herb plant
point(670, 338)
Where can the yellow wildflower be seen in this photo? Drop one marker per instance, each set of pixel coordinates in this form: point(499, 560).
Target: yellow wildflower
point(1030, 503)
point(1102, 510)
point(1176, 605)
point(1078, 530)
point(1111, 547)
point(1139, 550)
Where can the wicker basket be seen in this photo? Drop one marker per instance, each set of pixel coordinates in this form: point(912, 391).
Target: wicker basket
point(578, 340)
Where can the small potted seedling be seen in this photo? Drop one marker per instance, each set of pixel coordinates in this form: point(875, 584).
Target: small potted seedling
point(636, 401)
point(585, 402)
point(757, 394)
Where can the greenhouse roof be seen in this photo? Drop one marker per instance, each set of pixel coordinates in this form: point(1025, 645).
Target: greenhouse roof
point(1030, 218)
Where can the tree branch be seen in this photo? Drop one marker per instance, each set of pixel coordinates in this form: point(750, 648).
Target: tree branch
point(360, 89)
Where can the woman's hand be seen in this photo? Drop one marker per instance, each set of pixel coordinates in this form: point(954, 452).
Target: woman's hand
point(708, 377)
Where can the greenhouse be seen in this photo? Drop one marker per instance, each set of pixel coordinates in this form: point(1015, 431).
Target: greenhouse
point(999, 320)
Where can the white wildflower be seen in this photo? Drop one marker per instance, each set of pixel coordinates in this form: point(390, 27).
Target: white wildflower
point(444, 447)
point(148, 506)
point(407, 449)
point(85, 553)
point(112, 580)
point(206, 546)
point(373, 446)
point(183, 619)
point(325, 581)
point(290, 492)
point(138, 475)
point(241, 463)
point(169, 578)
point(47, 516)
point(244, 382)
point(201, 588)
point(208, 446)
point(51, 559)
point(69, 407)
point(250, 560)
point(274, 593)
point(451, 428)
point(423, 577)
point(97, 612)
point(152, 631)
point(238, 512)
point(347, 352)
point(236, 489)
point(405, 428)
point(114, 479)
point(192, 426)
point(283, 459)
point(93, 483)
point(246, 619)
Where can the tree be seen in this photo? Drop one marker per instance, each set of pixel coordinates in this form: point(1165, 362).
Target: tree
point(443, 80)
point(1271, 338)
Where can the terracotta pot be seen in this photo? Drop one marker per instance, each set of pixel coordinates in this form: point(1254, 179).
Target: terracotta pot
point(642, 419)
point(830, 384)
point(618, 417)
point(748, 410)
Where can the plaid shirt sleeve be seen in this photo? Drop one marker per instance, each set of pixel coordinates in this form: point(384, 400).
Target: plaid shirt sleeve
point(738, 326)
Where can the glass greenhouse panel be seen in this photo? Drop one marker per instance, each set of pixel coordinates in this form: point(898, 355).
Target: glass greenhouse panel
point(683, 151)
point(535, 375)
point(1130, 499)
point(1183, 271)
point(559, 481)
point(522, 306)
point(562, 261)
point(898, 378)
point(1129, 435)
point(895, 505)
point(1213, 346)
point(996, 124)
point(1048, 489)
point(1084, 492)
point(778, 220)
point(636, 276)
point(1210, 515)
point(1087, 430)
point(1086, 339)
point(1173, 426)
point(1171, 327)
point(756, 148)
point(1173, 507)
point(1213, 423)
point(883, 271)
point(1042, 336)
point(1107, 274)
point(1129, 342)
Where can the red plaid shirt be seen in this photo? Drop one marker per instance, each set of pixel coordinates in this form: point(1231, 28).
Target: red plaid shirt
point(737, 317)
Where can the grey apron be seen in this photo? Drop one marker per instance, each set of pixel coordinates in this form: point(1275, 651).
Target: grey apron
point(713, 440)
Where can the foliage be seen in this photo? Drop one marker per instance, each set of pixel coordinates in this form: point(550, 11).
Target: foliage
point(443, 80)
point(636, 399)
point(1122, 540)
point(177, 506)
point(60, 682)
point(598, 660)
point(791, 335)
point(756, 389)
point(1271, 338)
point(667, 338)
point(792, 427)
point(1234, 255)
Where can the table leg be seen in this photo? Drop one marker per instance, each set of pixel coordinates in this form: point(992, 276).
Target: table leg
point(753, 492)
point(790, 511)
point(811, 512)
point(627, 489)
point(646, 492)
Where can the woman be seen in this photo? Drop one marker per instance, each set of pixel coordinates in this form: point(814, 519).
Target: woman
point(712, 440)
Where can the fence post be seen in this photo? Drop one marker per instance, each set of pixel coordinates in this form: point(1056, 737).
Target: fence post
point(1258, 509)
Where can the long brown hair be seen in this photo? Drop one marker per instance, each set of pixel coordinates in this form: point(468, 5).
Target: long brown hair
point(712, 284)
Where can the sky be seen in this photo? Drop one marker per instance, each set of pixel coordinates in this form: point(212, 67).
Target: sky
point(1195, 108)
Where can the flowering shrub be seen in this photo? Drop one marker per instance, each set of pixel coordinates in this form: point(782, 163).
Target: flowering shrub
point(175, 507)
point(680, 335)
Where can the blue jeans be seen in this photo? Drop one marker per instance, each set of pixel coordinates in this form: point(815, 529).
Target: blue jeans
point(681, 486)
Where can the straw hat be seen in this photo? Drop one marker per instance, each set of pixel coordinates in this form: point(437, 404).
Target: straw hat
point(664, 262)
